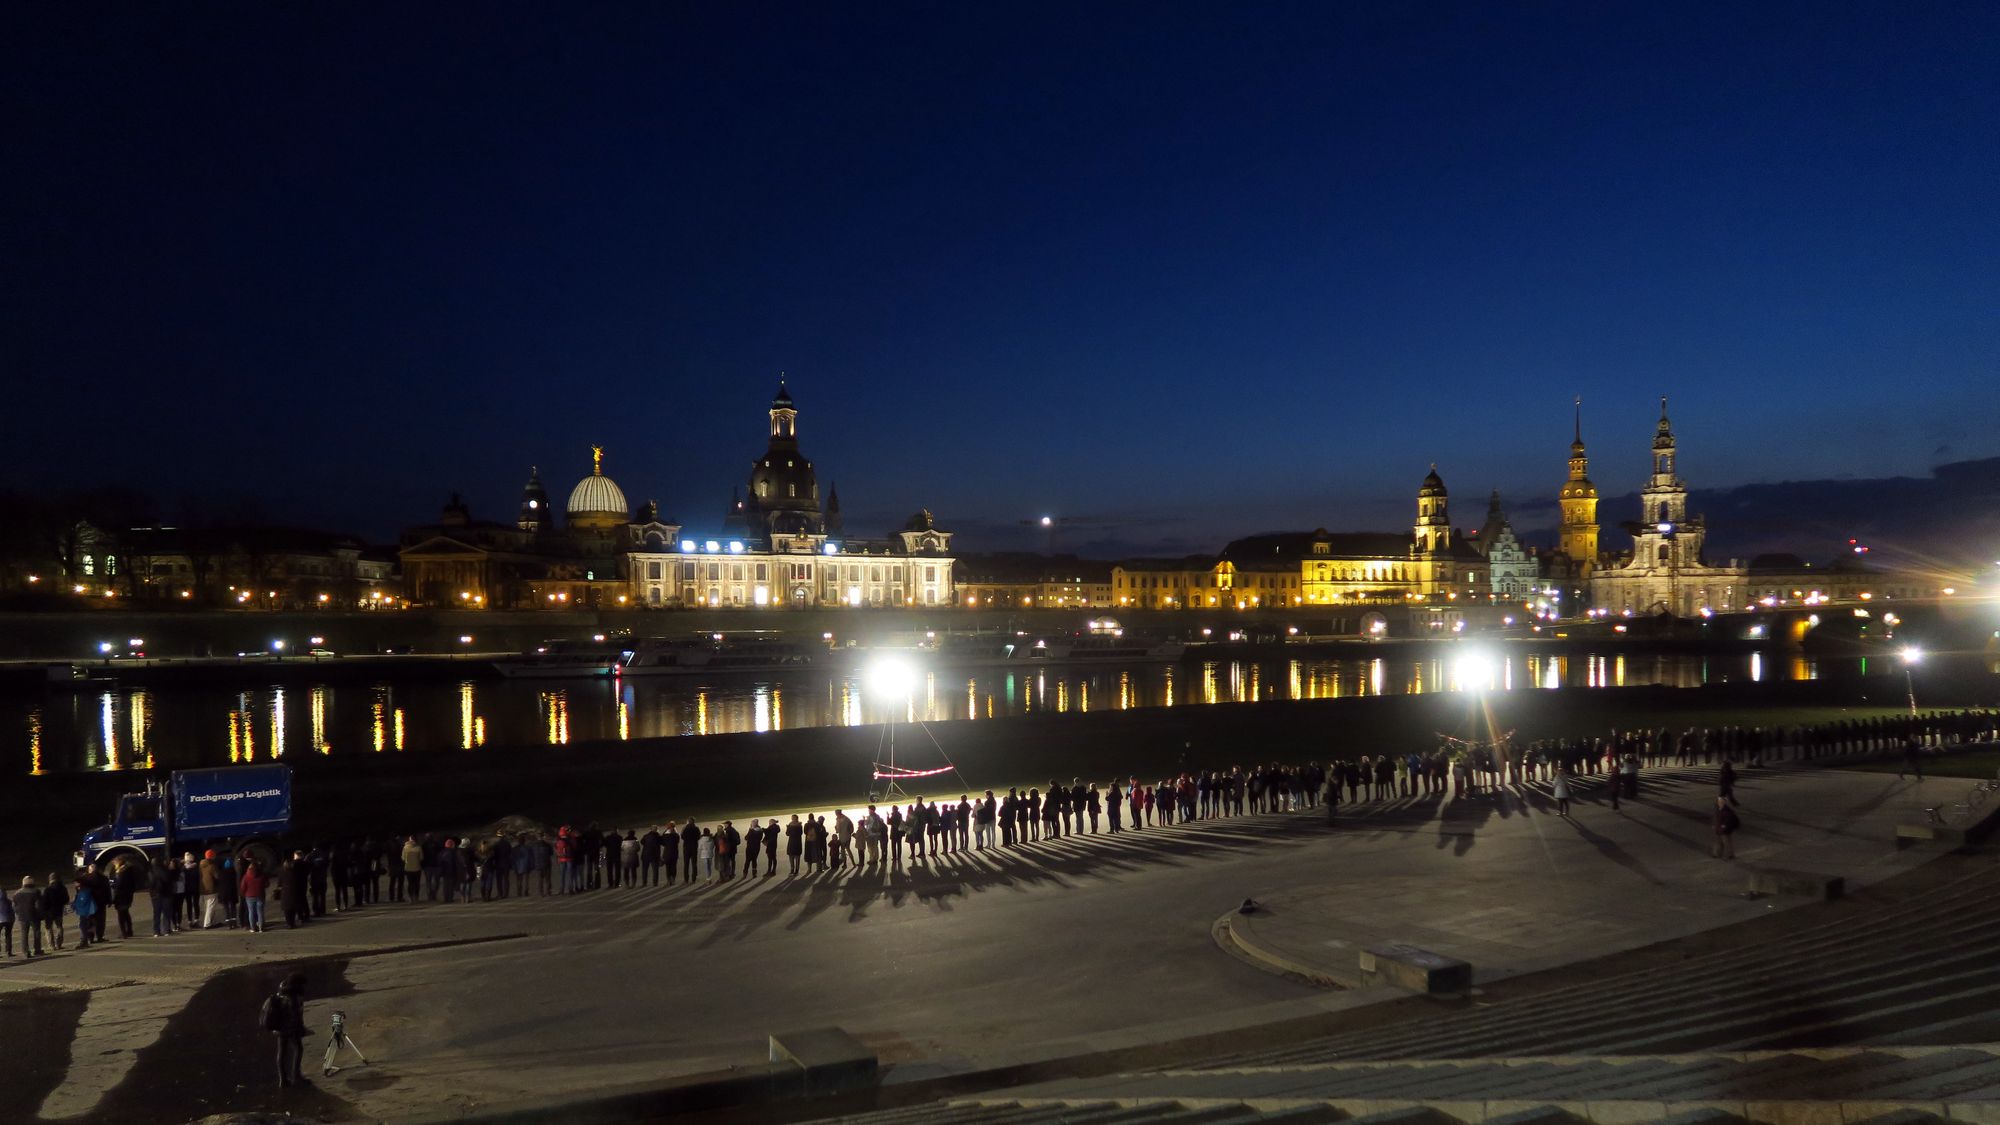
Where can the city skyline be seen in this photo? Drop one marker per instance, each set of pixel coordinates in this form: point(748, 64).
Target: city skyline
point(1944, 520)
point(1177, 275)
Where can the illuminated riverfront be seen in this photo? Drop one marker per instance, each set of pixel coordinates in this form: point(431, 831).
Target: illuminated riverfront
point(927, 564)
point(140, 728)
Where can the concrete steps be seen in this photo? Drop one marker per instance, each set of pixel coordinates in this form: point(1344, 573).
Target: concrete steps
point(1903, 1087)
point(1922, 972)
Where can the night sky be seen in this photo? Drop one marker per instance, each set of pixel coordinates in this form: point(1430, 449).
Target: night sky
point(1177, 272)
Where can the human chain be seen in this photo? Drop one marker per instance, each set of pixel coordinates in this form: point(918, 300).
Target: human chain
point(230, 891)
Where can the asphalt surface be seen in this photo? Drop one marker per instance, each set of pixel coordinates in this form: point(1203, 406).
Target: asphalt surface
point(486, 1005)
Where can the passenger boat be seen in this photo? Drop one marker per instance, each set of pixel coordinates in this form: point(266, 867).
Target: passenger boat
point(1120, 649)
point(561, 660)
point(721, 653)
point(1008, 651)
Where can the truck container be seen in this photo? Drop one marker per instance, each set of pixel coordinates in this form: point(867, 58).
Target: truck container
point(230, 809)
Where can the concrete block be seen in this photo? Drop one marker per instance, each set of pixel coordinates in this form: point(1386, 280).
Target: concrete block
point(1405, 1115)
point(1533, 1115)
point(1794, 1112)
point(1511, 1112)
point(1704, 1115)
point(1911, 834)
point(832, 1060)
point(1774, 881)
point(1868, 1113)
point(1418, 970)
point(1626, 1112)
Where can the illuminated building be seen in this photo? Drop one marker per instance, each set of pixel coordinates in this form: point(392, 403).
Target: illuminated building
point(1577, 537)
point(776, 546)
point(1430, 564)
point(1016, 580)
point(1785, 579)
point(536, 562)
point(1665, 570)
point(1196, 581)
point(1513, 575)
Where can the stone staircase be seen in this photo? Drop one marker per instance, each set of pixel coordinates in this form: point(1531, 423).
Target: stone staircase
point(1883, 1017)
point(1910, 1086)
point(1923, 973)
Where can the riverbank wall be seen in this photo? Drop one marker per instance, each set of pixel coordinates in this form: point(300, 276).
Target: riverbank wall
point(762, 773)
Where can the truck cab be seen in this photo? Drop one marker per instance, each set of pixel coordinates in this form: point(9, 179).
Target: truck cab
point(138, 824)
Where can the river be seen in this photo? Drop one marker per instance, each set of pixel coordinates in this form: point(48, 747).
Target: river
point(129, 727)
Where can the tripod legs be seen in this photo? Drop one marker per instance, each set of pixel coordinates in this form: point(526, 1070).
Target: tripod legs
point(333, 1049)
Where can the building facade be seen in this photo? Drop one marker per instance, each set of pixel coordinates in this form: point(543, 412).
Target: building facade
point(777, 546)
point(1431, 563)
point(1665, 572)
point(1017, 580)
point(1513, 573)
point(1192, 582)
point(256, 568)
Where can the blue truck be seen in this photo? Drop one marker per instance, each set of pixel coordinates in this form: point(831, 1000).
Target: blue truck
point(231, 809)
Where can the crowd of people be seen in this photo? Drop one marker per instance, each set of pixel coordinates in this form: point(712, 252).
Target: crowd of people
point(232, 890)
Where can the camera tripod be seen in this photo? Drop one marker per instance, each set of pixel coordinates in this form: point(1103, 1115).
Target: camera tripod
point(334, 1040)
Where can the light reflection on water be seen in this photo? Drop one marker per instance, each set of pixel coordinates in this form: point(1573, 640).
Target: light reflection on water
point(179, 727)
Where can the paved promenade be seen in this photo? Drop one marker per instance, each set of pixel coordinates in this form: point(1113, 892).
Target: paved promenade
point(1059, 948)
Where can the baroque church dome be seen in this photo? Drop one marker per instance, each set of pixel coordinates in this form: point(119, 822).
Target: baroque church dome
point(597, 494)
point(784, 489)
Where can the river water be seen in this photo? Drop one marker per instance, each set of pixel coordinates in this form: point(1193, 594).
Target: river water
point(170, 728)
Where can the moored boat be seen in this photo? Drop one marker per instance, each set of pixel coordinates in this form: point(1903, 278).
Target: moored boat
point(561, 660)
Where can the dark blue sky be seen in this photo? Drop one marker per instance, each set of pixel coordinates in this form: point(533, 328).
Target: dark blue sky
point(1185, 271)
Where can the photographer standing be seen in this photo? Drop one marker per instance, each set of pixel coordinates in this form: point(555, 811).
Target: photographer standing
point(284, 1015)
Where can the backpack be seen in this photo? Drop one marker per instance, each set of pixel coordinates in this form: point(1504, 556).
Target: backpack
point(271, 1017)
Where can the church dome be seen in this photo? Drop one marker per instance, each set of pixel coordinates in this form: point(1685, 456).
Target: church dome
point(1433, 484)
point(783, 479)
point(597, 494)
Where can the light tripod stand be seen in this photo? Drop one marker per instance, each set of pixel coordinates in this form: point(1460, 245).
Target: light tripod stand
point(334, 1040)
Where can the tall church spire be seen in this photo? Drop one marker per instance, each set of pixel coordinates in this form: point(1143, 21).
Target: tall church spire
point(1663, 452)
point(1432, 533)
point(1578, 504)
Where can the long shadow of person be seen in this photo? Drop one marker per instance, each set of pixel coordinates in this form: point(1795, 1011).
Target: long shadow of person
point(1613, 852)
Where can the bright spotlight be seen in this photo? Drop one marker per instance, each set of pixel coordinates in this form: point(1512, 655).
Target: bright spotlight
point(891, 677)
point(1474, 671)
point(1912, 654)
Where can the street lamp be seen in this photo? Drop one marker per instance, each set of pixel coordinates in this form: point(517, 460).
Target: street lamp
point(1911, 654)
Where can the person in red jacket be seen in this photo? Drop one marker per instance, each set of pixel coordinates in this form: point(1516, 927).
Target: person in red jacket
point(252, 886)
point(565, 860)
